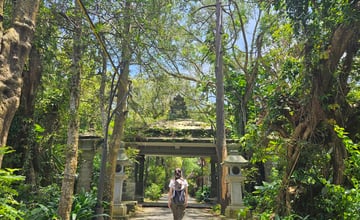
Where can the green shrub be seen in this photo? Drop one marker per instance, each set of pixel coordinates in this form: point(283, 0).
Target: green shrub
point(153, 192)
point(202, 195)
point(9, 207)
point(42, 205)
point(216, 209)
point(84, 205)
point(42, 212)
point(263, 198)
point(243, 213)
point(45, 202)
point(336, 202)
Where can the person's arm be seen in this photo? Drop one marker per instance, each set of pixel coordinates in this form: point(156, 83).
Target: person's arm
point(170, 195)
point(186, 196)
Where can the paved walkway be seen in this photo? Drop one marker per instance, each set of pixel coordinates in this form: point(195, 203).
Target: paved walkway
point(160, 211)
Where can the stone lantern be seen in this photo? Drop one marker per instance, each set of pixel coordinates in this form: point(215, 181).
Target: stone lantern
point(234, 162)
point(119, 209)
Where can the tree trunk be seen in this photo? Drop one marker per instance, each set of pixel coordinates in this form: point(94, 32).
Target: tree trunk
point(116, 138)
point(67, 188)
point(21, 134)
point(121, 109)
point(220, 118)
point(338, 159)
point(31, 162)
point(15, 48)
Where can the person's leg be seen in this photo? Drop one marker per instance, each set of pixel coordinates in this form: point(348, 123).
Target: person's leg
point(178, 211)
point(181, 211)
point(174, 209)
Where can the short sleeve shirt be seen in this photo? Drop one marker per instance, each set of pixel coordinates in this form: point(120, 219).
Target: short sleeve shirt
point(183, 185)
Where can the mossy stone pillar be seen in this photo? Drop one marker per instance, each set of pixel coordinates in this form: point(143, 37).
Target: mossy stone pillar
point(88, 144)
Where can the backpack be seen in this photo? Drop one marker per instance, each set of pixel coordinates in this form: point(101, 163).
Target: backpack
point(179, 192)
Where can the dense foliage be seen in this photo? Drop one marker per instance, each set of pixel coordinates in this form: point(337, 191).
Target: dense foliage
point(9, 206)
point(292, 97)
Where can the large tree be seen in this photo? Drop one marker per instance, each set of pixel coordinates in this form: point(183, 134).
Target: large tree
point(121, 93)
point(15, 48)
point(220, 117)
point(68, 181)
point(325, 44)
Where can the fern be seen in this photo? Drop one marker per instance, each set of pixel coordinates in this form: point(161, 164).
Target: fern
point(8, 204)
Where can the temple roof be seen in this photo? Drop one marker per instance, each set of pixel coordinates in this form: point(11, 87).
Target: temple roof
point(182, 137)
point(180, 130)
point(181, 124)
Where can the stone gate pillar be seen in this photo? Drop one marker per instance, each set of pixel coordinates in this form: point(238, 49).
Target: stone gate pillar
point(214, 181)
point(139, 178)
point(88, 144)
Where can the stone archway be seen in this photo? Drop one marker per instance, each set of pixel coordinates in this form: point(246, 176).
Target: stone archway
point(178, 136)
point(182, 138)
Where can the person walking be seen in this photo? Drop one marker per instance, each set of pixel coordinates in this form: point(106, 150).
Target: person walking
point(178, 195)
